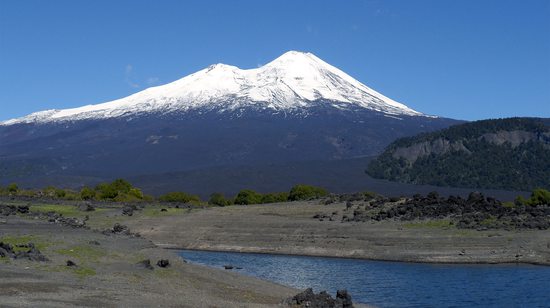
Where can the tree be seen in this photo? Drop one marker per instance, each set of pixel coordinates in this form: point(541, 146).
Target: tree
point(248, 196)
point(306, 192)
point(218, 199)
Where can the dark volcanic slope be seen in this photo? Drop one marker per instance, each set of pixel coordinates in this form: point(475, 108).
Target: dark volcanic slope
point(499, 154)
point(81, 152)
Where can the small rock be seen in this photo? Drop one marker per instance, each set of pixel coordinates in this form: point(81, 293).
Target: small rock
point(23, 209)
point(87, 207)
point(146, 264)
point(70, 263)
point(163, 263)
point(128, 210)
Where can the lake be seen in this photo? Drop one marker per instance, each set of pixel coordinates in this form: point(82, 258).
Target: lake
point(395, 284)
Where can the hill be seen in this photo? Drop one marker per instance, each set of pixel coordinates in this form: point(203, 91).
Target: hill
point(512, 154)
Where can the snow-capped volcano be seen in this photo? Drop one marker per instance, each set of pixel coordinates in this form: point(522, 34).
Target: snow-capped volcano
point(293, 82)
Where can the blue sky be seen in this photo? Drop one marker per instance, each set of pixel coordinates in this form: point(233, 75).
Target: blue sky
point(465, 59)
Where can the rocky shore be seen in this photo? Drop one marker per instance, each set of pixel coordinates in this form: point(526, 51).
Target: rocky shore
point(476, 212)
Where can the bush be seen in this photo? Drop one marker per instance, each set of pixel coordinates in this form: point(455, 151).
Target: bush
point(71, 195)
point(105, 191)
point(248, 196)
point(218, 199)
point(275, 197)
point(12, 188)
point(113, 189)
point(539, 197)
point(178, 196)
point(126, 197)
point(306, 192)
point(136, 192)
point(86, 193)
point(60, 193)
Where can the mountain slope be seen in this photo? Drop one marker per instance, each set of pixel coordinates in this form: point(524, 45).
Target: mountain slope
point(294, 82)
point(295, 109)
point(498, 154)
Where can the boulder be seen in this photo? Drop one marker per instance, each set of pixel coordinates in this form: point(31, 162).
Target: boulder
point(308, 298)
point(163, 263)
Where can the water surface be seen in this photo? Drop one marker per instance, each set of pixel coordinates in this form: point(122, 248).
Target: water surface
point(396, 284)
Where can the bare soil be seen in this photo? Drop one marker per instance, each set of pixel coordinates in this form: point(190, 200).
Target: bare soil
point(289, 228)
point(107, 275)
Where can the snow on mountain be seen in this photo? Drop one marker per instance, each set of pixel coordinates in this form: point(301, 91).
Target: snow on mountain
point(293, 82)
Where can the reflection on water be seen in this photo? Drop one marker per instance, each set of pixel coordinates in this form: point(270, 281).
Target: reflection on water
point(395, 284)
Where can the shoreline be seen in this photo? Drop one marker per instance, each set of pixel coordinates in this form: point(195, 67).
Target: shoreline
point(291, 229)
point(355, 258)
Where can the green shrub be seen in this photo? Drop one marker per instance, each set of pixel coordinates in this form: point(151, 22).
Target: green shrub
point(136, 192)
point(60, 193)
point(539, 197)
point(113, 189)
point(248, 196)
point(72, 195)
point(306, 192)
point(86, 193)
point(105, 191)
point(520, 200)
point(13, 188)
point(218, 199)
point(275, 197)
point(178, 196)
point(126, 197)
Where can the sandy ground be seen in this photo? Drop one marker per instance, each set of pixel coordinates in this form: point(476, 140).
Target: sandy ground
point(288, 228)
point(107, 274)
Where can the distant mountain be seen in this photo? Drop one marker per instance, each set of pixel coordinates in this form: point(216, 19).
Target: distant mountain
point(296, 108)
point(509, 153)
point(291, 84)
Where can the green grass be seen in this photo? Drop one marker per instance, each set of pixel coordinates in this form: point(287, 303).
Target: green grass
point(82, 253)
point(65, 210)
point(82, 271)
point(79, 270)
point(436, 224)
point(164, 272)
point(156, 211)
point(38, 242)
